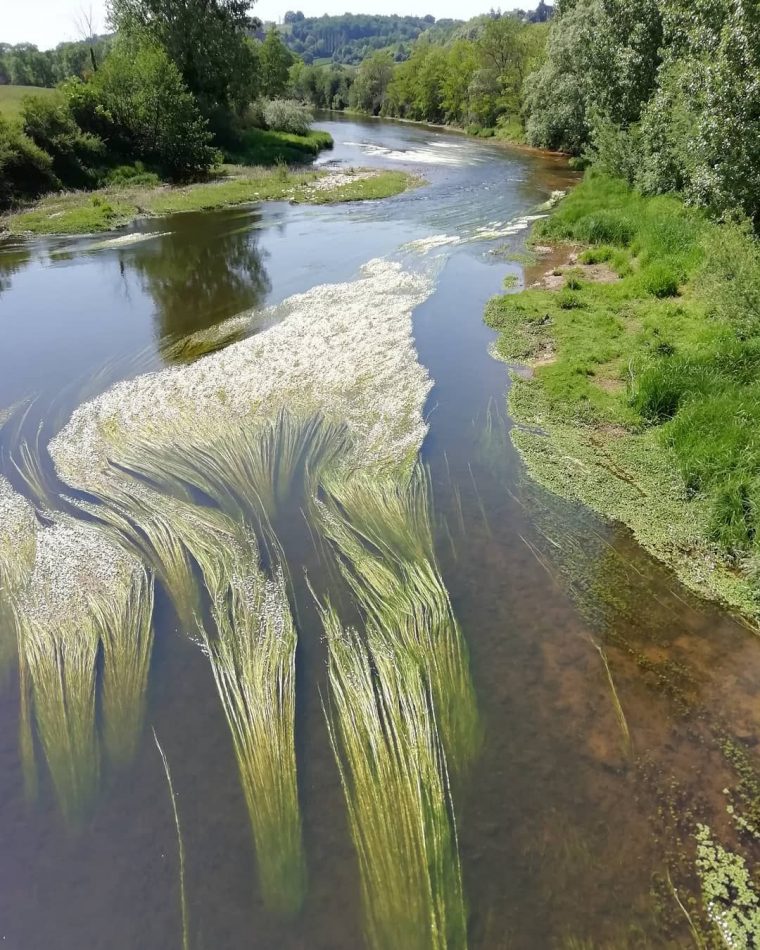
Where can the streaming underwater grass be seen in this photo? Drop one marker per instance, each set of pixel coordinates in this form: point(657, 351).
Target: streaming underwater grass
point(344, 349)
point(253, 662)
point(83, 588)
point(380, 527)
point(382, 727)
point(251, 648)
point(248, 467)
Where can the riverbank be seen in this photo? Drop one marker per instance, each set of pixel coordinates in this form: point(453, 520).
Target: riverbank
point(85, 212)
point(641, 398)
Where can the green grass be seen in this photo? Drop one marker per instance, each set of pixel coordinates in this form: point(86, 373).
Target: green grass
point(647, 386)
point(85, 212)
point(261, 147)
point(11, 98)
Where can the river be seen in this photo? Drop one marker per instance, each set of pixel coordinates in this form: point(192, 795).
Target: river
point(617, 710)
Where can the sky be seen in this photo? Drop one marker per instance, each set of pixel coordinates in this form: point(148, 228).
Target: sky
point(48, 22)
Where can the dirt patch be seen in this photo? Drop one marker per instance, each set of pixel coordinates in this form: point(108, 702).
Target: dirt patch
point(600, 274)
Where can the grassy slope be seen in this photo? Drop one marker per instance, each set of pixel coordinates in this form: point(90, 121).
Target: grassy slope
point(12, 96)
point(108, 208)
point(635, 384)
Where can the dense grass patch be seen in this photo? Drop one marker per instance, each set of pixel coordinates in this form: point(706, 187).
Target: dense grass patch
point(262, 147)
point(11, 98)
point(672, 349)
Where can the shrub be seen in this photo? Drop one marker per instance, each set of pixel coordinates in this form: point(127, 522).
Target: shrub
point(76, 155)
point(287, 115)
point(136, 174)
point(26, 171)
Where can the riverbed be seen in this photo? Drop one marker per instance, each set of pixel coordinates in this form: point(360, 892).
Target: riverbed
point(617, 710)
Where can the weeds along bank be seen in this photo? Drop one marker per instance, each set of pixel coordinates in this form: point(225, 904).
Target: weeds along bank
point(643, 398)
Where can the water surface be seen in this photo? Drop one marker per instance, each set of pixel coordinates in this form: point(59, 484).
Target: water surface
point(567, 829)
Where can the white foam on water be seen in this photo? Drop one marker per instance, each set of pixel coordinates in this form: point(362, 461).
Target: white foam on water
point(423, 245)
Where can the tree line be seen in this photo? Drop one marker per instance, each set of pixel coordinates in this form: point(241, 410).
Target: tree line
point(170, 92)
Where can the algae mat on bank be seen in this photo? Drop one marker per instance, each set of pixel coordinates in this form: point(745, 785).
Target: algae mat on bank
point(624, 340)
point(86, 212)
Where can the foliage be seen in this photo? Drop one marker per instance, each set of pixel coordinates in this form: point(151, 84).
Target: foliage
point(138, 103)
point(287, 115)
point(275, 61)
point(50, 125)
point(351, 37)
point(372, 80)
point(206, 41)
point(25, 65)
point(601, 63)
point(25, 170)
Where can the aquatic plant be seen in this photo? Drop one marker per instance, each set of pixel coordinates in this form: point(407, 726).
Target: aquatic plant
point(343, 350)
point(381, 529)
point(247, 466)
point(253, 662)
point(18, 530)
point(252, 658)
point(126, 630)
point(393, 770)
point(180, 848)
point(80, 582)
point(730, 899)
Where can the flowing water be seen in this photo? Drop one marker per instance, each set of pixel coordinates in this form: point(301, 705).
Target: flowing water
point(617, 711)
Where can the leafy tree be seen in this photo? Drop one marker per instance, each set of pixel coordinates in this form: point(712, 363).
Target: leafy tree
point(602, 62)
point(275, 60)
point(205, 39)
point(138, 103)
point(372, 80)
point(50, 125)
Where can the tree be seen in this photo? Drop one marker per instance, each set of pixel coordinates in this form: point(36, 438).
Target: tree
point(372, 80)
point(602, 62)
point(138, 103)
point(205, 39)
point(275, 60)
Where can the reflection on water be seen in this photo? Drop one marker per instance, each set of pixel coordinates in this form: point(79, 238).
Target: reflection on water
point(615, 714)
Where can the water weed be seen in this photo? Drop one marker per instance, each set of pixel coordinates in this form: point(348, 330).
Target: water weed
point(393, 771)
point(381, 530)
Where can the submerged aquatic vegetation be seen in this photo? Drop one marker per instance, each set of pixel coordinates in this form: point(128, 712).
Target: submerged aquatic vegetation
point(730, 899)
point(393, 771)
point(341, 350)
point(81, 581)
point(252, 657)
point(180, 848)
point(253, 662)
point(381, 529)
point(126, 630)
point(249, 466)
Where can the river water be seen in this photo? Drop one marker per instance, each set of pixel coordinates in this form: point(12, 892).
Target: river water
point(618, 711)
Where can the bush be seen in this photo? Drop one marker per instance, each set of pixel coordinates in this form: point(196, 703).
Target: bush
point(287, 115)
point(25, 170)
point(76, 155)
point(136, 174)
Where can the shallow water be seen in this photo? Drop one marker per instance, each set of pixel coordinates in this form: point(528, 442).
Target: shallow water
point(566, 827)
